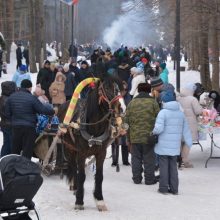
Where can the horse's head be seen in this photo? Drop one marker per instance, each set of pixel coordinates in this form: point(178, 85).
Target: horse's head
point(109, 91)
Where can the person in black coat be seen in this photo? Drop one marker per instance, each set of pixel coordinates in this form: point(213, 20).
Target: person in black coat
point(214, 95)
point(8, 87)
point(124, 70)
point(19, 56)
point(73, 51)
point(75, 70)
point(95, 56)
point(26, 56)
point(45, 78)
point(70, 83)
point(22, 109)
point(85, 72)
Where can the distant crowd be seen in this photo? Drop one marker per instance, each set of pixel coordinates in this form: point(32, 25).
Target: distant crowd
point(153, 108)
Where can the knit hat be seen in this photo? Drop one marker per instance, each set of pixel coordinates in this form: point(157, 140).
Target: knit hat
point(26, 84)
point(156, 82)
point(144, 87)
point(168, 96)
point(163, 65)
point(144, 60)
point(23, 68)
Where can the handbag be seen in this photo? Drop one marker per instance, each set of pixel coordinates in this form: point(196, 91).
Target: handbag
point(153, 139)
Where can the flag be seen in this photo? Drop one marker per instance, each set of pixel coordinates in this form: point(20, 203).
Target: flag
point(70, 2)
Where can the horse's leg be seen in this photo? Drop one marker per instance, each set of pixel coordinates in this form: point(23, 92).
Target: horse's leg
point(73, 175)
point(98, 181)
point(81, 176)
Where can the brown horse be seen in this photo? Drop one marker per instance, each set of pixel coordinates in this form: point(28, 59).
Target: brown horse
point(98, 118)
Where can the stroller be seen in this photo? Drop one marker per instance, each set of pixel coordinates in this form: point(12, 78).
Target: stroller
point(20, 180)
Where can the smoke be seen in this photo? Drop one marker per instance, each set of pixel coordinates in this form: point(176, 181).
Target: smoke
point(132, 28)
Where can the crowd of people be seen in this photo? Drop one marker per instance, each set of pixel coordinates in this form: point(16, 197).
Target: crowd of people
point(153, 109)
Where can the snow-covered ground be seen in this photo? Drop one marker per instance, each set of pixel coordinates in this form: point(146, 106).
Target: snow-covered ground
point(199, 190)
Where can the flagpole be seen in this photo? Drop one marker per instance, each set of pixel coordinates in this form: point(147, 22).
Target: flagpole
point(72, 35)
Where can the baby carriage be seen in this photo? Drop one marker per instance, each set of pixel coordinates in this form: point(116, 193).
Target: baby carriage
point(20, 180)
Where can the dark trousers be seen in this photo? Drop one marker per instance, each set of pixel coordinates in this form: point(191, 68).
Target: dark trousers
point(142, 155)
point(7, 141)
point(115, 153)
point(23, 139)
point(168, 174)
point(19, 63)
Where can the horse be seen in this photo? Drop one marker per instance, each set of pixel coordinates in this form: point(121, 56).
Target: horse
point(97, 122)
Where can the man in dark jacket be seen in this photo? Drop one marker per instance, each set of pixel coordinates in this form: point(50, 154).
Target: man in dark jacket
point(45, 78)
point(19, 56)
point(73, 51)
point(141, 115)
point(95, 56)
point(124, 70)
point(26, 56)
point(8, 88)
point(70, 83)
point(75, 70)
point(22, 109)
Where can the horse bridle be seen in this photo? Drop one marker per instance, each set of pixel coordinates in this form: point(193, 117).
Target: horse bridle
point(104, 98)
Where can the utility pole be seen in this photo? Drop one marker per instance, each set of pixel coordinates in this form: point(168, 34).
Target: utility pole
point(72, 30)
point(177, 44)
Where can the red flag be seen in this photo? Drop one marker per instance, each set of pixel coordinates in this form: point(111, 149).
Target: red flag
point(70, 2)
point(75, 2)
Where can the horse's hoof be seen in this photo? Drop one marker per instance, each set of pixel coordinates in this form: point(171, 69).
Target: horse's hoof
point(71, 188)
point(79, 207)
point(101, 206)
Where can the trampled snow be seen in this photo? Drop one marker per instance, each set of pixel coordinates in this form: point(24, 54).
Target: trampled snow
point(199, 189)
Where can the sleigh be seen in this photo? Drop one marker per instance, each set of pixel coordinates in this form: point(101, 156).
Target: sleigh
point(56, 163)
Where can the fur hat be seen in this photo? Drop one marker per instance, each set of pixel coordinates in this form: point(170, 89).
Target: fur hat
point(144, 87)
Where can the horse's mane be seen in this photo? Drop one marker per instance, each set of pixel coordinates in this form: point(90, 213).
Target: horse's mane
point(93, 107)
point(92, 103)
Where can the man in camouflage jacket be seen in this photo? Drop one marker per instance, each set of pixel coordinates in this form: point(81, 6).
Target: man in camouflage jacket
point(141, 114)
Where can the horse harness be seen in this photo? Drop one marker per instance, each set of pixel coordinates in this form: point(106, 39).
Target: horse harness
point(79, 128)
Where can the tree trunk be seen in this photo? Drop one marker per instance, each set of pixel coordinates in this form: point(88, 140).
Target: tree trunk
point(66, 36)
point(39, 31)
point(33, 67)
point(9, 27)
point(215, 49)
point(204, 58)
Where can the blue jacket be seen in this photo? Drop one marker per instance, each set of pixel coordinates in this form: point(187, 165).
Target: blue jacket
point(19, 77)
point(172, 127)
point(22, 108)
point(164, 76)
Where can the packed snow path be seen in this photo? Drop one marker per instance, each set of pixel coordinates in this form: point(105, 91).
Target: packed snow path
point(198, 199)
